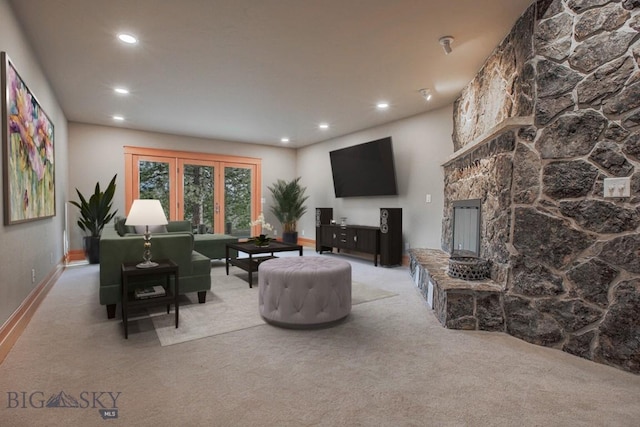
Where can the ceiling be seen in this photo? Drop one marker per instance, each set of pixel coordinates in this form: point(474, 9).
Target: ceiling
point(259, 70)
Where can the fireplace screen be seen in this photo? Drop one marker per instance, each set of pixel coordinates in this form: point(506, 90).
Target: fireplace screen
point(466, 228)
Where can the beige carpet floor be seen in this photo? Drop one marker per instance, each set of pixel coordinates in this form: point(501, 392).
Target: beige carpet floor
point(231, 306)
point(389, 364)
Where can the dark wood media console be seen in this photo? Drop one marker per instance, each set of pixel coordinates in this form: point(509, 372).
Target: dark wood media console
point(384, 242)
point(360, 238)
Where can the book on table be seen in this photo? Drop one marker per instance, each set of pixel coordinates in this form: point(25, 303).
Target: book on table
point(150, 292)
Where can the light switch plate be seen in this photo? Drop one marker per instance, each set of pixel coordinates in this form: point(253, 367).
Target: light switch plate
point(617, 187)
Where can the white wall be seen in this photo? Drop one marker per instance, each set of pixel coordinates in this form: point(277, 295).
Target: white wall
point(96, 154)
point(38, 244)
point(420, 145)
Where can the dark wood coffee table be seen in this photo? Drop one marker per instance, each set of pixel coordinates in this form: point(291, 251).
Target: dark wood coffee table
point(251, 263)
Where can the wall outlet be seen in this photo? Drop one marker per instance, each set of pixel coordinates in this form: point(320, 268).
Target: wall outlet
point(617, 187)
point(303, 232)
point(275, 232)
point(33, 275)
point(407, 246)
point(427, 199)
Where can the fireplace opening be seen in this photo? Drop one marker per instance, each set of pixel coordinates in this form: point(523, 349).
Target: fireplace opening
point(465, 262)
point(466, 228)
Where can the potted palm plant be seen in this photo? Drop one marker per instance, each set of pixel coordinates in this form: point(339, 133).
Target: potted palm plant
point(288, 207)
point(95, 213)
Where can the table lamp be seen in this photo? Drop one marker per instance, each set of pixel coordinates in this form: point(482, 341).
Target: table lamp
point(146, 212)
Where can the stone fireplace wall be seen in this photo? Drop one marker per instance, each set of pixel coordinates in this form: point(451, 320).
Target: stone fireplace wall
point(484, 174)
point(502, 89)
point(569, 259)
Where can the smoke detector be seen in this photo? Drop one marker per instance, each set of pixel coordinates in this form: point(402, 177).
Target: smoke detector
point(445, 42)
point(426, 94)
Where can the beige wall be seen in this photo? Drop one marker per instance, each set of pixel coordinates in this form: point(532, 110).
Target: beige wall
point(96, 154)
point(420, 145)
point(36, 245)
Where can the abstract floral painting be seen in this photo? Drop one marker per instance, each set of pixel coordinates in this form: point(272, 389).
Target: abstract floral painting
point(28, 147)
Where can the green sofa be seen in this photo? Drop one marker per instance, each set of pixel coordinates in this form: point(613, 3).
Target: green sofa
point(214, 245)
point(210, 245)
point(120, 243)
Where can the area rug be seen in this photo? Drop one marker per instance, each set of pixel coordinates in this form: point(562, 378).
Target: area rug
point(231, 306)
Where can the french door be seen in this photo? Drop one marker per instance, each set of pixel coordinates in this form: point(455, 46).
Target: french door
point(216, 194)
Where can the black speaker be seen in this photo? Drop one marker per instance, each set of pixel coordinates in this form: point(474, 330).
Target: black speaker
point(323, 217)
point(390, 236)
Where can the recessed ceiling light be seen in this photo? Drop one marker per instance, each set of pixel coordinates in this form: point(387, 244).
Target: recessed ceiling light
point(127, 38)
point(323, 126)
point(284, 140)
point(382, 105)
point(121, 91)
point(118, 118)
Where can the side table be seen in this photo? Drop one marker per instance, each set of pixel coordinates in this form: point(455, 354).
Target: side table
point(132, 274)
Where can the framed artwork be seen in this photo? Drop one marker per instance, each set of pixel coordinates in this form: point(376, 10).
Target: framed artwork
point(28, 152)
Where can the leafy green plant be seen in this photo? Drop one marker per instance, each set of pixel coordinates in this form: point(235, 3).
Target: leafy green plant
point(288, 205)
point(261, 240)
point(95, 213)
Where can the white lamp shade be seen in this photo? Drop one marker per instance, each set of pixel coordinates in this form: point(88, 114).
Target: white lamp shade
point(146, 212)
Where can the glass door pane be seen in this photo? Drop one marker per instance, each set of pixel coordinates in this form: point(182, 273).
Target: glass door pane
point(198, 197)
point(155, 183)
point(237, 200)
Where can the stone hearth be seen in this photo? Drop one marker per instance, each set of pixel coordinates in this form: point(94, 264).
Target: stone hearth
point(458, 304)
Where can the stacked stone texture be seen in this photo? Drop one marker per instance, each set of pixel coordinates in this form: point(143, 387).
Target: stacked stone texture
point(502, 89)
point(568, 257)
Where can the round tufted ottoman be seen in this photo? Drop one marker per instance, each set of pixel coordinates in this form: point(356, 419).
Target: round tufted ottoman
point(304, 292)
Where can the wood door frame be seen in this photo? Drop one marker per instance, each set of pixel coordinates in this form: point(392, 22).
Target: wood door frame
point(132, 154)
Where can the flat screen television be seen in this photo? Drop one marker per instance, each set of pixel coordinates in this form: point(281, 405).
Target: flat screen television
point(364, 170)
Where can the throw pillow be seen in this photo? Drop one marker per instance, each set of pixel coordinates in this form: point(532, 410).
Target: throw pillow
point(179, 226)
point(118, 224)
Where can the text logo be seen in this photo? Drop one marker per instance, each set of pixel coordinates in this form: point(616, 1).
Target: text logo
point(106, 402)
